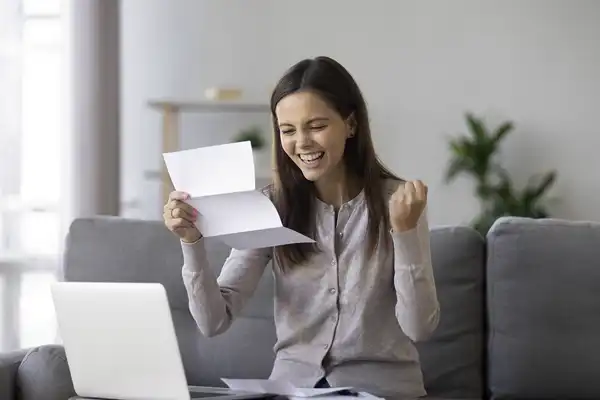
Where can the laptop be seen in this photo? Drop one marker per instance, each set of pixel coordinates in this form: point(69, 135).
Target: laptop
point(120, 343)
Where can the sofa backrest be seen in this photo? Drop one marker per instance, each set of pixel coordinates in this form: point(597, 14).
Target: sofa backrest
point(543, 297)
point(122, 250)
point(453, 358)
point(111, 249)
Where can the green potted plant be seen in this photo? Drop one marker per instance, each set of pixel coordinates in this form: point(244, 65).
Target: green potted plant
point(474, 155)
point(262, 161)
point(253, 135)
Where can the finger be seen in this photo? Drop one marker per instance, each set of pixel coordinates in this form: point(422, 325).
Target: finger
point(409, 187)
point(420, 190)
point(398, 195)
point(409, 197)
point(188, 209)
point(409, 191)
point(175, 204)
point(181, 212)
point(177, 195)
point(171, 205)
point(179, 223)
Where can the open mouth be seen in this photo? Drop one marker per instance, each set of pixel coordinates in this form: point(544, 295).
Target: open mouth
point(311, 158)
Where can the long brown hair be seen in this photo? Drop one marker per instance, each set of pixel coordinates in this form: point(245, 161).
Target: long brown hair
point(294, 195)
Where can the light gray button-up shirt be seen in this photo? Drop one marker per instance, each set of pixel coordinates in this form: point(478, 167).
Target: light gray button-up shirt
point(342, 315)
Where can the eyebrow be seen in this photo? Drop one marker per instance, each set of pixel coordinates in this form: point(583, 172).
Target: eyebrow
point(317, 119)
point(310, 121)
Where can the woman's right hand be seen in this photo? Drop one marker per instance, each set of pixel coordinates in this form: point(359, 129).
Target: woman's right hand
point(180, 217)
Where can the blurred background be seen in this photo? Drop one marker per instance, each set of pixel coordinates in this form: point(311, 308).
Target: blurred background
point(493, 104)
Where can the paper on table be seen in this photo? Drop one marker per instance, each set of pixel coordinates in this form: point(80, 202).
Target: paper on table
point(334, 396)
point(221, 183)
point(283, 388)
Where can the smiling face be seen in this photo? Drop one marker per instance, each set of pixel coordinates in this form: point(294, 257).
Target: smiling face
point(313, 135)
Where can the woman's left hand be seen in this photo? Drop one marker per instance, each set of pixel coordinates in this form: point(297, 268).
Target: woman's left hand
point(407, 204)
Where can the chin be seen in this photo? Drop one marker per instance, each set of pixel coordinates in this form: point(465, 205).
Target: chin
point(312, 176)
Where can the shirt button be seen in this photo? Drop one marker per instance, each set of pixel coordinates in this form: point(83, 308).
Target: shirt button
point(332, 291)
point(341, 234)
point(333, 262)
point(325, 346)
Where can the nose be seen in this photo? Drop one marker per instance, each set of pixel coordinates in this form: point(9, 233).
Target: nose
point(304, 138)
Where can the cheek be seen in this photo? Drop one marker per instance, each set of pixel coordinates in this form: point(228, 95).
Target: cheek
point(287, 145)
point(334, 143)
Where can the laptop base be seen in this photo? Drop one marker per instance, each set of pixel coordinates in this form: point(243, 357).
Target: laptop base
point(207, 393)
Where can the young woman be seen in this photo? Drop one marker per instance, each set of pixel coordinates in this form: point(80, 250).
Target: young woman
point(348, 308)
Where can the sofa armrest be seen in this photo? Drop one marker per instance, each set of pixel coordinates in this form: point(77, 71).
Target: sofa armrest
point(44, 374)
point(9, 366)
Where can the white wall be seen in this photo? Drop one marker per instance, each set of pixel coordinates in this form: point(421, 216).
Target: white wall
point(177, 49)
point(422, 65)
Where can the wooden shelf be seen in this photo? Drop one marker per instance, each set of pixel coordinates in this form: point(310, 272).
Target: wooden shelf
point(209, 106)
point(171, 110)
point(157, 176)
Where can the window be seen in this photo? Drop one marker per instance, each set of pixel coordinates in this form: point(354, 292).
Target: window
point(2, 312)
point(30, 240)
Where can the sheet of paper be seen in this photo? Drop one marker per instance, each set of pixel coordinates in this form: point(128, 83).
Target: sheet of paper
point(221, 182)
point(206, 171)
point(280, 388)
point(235, 212)
point(360, 395)
point(264, 238)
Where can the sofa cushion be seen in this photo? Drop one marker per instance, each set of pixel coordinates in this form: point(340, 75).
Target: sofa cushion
point(544, 307)
point(244, 351)
point(115, 249)
point(452, 359)
point(44, 374)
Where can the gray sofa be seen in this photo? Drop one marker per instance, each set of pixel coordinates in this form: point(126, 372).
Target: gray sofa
point(520, 311)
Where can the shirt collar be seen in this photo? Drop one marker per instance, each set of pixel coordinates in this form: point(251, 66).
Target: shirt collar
point(352, 203)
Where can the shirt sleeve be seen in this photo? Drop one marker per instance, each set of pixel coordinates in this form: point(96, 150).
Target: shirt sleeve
point(417, 307)
point(215, 302)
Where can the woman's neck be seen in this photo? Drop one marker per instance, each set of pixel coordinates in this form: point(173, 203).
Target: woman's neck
point(337, 188)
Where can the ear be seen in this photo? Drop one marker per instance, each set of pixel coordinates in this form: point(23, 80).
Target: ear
point(351, 125)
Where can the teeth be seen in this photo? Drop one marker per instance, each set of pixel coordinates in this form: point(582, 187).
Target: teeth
point(310, 156)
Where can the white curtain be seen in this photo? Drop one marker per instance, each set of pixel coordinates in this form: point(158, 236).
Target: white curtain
point(30, 65)
point(59, 146)
point(10, 100)
point(10, 107)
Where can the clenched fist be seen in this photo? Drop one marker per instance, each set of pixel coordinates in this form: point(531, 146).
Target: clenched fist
point(180, 217)
point(407, 204)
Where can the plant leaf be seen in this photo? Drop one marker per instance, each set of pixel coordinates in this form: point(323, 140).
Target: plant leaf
point(502, 131)
point(477, 129)
point(535, 192)
point(455, 167)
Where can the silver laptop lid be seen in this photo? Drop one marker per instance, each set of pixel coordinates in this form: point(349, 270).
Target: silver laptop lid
point(119, 340)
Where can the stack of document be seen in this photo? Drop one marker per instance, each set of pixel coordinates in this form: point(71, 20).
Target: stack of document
point(291, 392)
point(222, 185)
